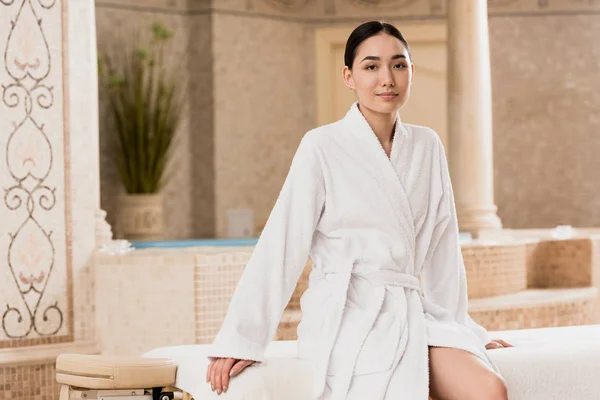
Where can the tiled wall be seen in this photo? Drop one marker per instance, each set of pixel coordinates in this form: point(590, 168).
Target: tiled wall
point(564, 263)
point(242, 130)
point(575, 312)
point(49, 241)
point(199, 283)
point(52, 235)
point(158, 291)
point(214, 277)
point(175, 297)
point(262, 109)
point(544, 75)
point(497, 270)
point(37, 382)
point(35, 247)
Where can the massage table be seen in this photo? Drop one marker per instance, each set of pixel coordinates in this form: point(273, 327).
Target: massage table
point(545, 364)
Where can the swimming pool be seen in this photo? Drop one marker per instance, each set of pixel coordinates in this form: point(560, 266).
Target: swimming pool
point(178, 244)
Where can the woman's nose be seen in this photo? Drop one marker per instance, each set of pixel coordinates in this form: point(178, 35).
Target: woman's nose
point(387, 78)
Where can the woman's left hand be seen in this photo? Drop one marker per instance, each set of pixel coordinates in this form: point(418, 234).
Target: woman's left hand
point(497, 344)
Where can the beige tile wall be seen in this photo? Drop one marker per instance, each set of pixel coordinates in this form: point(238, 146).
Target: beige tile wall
point(145, 300)
point(215, 277)
point(243, 130)
point(575, 312)
point(564, 263)
point(199, 283)
point(70, 122)
point(261, 112)
point(35, 234)
point(495, 270)
point(545, 119)
point(29, 382)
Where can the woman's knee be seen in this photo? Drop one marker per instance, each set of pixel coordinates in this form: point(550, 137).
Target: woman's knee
point(495, 388)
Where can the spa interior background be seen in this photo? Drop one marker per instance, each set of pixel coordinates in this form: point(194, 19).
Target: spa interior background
point(255, 74)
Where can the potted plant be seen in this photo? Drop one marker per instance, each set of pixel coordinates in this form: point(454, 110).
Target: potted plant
point(144, 100)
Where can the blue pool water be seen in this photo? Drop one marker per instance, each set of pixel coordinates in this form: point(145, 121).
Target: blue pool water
point(178, 244)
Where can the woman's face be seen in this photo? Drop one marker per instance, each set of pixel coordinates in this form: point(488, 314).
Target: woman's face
point(381, 74)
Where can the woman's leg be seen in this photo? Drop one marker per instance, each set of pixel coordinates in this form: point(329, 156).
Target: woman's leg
point(459, 375)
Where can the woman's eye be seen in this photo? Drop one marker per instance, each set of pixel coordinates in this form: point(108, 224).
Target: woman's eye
point(371, 67)
point(400, 66)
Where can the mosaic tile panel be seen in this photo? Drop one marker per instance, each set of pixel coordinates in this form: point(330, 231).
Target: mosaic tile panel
point(577, 312)
point(560, 263)
point(158, 291)
point(495, 270)
point(30, 382)
point(215, 279)
point(35, 240)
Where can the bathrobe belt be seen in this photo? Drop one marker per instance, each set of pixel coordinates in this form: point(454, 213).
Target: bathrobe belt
point(380, 279)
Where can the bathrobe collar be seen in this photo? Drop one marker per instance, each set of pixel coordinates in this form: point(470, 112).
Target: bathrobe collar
point(362, 128)
point(388, 171)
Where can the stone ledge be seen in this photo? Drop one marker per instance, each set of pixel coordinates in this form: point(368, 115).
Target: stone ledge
point(532, 298)
point(32, 355)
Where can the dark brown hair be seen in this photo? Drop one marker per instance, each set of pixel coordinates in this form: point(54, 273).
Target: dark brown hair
point(365, 31)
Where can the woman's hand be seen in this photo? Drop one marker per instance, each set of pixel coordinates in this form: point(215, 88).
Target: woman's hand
point(221, 369)
point(497, 344)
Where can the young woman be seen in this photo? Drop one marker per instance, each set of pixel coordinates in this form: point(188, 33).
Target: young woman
point(369, 199)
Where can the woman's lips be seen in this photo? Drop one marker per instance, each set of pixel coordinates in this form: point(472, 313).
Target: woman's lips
point(388, 96)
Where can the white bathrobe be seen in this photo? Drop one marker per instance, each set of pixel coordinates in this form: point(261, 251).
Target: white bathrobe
point(388, 277)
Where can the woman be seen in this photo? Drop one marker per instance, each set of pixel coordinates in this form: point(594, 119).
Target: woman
point(369, 199)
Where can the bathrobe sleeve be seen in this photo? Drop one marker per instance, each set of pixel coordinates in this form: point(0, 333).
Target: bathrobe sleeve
point(271, 274)
point(443, 273)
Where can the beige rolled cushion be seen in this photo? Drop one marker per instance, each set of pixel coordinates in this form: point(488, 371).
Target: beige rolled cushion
point(109, 372)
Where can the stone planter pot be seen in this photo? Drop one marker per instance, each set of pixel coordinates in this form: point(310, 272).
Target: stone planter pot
point(140, 217)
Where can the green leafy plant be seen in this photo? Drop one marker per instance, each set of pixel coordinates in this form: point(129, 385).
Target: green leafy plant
point(144, 98)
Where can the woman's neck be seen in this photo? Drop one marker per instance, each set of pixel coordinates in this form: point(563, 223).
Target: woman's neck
point(382, 124)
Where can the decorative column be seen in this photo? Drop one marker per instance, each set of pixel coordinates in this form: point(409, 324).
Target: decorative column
point(470, 116)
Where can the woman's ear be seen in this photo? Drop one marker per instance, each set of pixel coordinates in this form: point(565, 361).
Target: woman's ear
point(347, 74)
point(412, 71)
